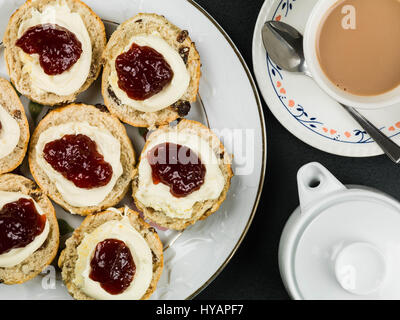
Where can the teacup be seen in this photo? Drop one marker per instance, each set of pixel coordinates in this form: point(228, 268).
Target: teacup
point(311, 37)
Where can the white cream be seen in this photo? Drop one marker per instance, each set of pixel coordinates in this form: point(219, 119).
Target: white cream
point(172, 92)
point(70, 80)
point(16, 256)
point(9, 133)
point(107, 145)
point(159, 197)
point(140, 251)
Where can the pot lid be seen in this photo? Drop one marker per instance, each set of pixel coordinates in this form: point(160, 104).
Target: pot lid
point(342, 243)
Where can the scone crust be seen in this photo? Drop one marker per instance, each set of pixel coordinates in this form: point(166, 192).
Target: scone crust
point(11, 102)
point(21, 80)
point(146, 23)
point(100, 119)
point(34, 264)
point(69, 256)
point(204, 209)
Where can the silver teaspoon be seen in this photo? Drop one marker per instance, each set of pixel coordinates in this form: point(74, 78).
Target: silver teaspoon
point(284, 45)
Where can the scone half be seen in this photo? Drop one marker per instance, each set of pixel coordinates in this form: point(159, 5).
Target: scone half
point(41, 251)
point(14, 128)
point(112, 223)
point(169, 209)
point(26, 72)
point(109, 142)
point(158, 33)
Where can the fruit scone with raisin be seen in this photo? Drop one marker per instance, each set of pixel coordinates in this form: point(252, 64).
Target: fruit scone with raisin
point(82, 157)
point(53, 49)
point(29, 233)
point(151, 71)
point(113, 255)
point(183, 175)
point(14, 128)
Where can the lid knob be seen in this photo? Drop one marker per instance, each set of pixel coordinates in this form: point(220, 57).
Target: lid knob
point(360, 268)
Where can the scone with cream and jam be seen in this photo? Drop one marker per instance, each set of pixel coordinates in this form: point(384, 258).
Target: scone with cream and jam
point(14, 128)
point(53, 49)
point(183, 175)
point(82, 157)
point(151, 71)
point(113, 255)
point(29, 233)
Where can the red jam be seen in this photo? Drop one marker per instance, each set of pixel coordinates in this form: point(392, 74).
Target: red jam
point(177, 167)
point(20, 224)
point(142, 72)
point(112, 265)
point(58, 48)
point(77, 159)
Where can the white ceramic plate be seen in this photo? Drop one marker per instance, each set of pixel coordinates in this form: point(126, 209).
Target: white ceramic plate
point(230, 101)
point(302, 107)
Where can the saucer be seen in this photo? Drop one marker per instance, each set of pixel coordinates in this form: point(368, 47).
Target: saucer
point(302, 107)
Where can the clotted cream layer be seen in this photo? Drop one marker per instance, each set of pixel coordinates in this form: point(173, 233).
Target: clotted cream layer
point(159, 197)
point(9, 133)
point(17, 255)
point(107, 145)
point(70, 80)
point(140, 251)
point(172, 92)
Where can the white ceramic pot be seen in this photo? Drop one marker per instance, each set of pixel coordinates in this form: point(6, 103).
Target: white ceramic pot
point(340, 243)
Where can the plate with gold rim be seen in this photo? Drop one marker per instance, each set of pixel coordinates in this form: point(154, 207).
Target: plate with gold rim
point(196, 256)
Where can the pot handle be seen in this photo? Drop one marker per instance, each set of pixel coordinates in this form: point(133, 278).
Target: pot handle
point(314, 183)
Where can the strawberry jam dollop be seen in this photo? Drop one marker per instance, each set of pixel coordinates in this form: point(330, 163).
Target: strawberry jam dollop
point(58, 48)
point(178, 167)
point(112, 265)
point(142, 72)
point(20, 224)
point(77, 159)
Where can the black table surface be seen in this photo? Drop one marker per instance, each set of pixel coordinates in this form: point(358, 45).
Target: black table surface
point(253, 273)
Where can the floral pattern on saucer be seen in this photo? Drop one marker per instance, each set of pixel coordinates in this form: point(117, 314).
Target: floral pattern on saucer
point(298, 112)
